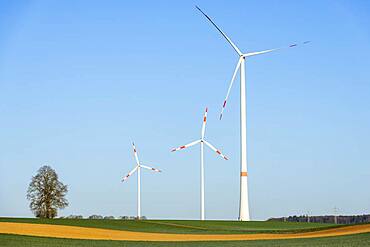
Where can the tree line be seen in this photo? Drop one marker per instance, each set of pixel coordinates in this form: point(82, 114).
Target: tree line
point(334, 219)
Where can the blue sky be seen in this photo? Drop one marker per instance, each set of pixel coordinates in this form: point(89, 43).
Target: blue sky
point(81, 80)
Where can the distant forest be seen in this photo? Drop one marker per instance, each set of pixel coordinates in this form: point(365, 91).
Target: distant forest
point(340, 219)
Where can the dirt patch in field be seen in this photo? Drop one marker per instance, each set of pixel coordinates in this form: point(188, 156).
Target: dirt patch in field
point(74, 232)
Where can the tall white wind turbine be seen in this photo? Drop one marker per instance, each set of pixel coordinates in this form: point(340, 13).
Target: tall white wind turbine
point(244, 204)
point(138, 167)
point(202, 141)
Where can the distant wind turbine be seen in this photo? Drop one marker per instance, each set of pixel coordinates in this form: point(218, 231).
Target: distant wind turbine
point(244, 203)
point(202, 141)
point(138, 167)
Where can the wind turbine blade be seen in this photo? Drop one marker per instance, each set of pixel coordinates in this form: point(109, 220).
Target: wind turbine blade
point(204, 122)
point(230, 86)
point(260, 52)
point(129, 174)
point(223, 34)
point(135, 154)
point(215, 149)
point(151, 168)
point(270, 50)
point(185, 146)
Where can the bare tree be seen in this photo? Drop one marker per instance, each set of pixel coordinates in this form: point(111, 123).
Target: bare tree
point(46, 193)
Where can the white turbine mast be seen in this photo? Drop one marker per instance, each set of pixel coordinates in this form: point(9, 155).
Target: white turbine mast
point(202, 141)
point(244, 203)
point(137, 168)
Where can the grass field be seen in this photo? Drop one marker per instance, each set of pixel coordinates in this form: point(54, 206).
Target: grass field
point(184, 227)
point(343, 241)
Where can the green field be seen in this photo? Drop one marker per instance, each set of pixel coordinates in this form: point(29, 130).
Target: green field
point(185, 227)
point(343, 241)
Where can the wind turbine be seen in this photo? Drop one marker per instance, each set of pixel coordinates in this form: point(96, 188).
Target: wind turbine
point(138, 167)
point(244, 204)
point(202, 141)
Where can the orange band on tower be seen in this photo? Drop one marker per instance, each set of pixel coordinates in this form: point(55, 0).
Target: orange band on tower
point(243, 174)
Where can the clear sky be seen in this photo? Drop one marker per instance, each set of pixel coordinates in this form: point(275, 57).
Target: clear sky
point(81, 80)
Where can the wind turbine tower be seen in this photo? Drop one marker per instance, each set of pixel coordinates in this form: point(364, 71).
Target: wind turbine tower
point(137, 168)
point(243, 203)
point(202, 141)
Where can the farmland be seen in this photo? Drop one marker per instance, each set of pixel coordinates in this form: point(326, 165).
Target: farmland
point(182, 226)
point(181, 233)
